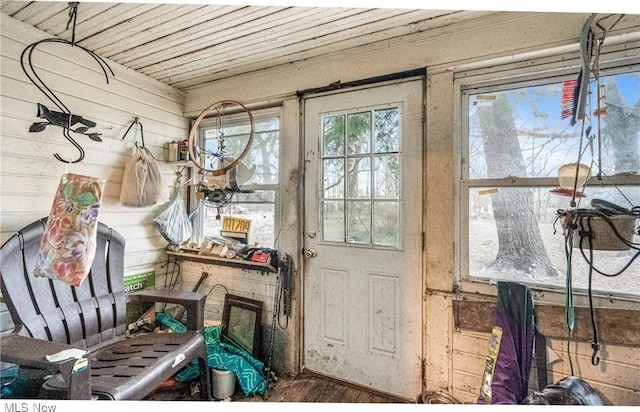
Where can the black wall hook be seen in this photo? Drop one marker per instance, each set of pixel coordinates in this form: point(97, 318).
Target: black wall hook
point(135, 121)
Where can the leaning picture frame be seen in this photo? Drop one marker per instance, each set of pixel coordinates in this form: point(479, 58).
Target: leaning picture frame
point(241, 318)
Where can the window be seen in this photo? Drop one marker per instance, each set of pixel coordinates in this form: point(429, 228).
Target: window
point(258, 198)
point(515, 142)
point(360, 167)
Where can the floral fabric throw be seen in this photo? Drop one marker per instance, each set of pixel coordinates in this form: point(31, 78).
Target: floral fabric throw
point(68, 244)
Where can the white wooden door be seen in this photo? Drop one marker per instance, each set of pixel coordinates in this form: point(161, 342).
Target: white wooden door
point(363, 237)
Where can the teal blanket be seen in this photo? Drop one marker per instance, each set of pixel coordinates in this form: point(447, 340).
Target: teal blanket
point(226, 357)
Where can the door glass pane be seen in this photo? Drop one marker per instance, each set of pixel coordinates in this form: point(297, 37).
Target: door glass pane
point(333, 131)
point(359, 222)
point(353, 175)
point(333, 221)
point(359, 178)
point(359, 133)
point(333, 178)
point(387, 130)
point(386, 223)
point(387, 177)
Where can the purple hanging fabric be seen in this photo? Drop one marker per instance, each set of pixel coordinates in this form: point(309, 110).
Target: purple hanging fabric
point(508, 365)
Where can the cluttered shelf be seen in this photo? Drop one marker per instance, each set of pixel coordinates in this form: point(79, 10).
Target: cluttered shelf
point(218, 260)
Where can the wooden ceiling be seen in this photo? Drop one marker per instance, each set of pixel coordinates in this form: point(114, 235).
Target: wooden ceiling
point(188, 45)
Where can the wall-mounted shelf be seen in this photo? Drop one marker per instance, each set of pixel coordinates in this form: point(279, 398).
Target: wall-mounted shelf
point(216, 260)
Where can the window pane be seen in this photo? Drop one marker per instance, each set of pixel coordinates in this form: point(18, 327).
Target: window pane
point(507, 241)
point(387, 177)
point(235, 141)
point(333, 131)
point(386, 223)
point(333, 178)
point(359, 222)
point(333, 221)
point(261, 163)
point(258, 206)
point(387, 130)
point(521, 132)
point(264, 154)
point(359, 178)
point(359, 133)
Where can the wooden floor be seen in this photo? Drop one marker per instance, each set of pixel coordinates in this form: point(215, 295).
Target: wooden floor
point(307, 387)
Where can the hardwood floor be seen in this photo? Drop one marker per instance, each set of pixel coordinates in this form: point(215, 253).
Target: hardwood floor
point(308, 387)
point(305, 387)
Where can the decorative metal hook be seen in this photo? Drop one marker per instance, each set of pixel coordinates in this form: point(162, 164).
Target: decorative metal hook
point(73, 142)
point(63, 117)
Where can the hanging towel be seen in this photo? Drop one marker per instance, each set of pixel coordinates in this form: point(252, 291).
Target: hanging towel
point(226, 357)
point(508, 364)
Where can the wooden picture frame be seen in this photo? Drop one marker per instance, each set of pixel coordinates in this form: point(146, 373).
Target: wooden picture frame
point(241, 318)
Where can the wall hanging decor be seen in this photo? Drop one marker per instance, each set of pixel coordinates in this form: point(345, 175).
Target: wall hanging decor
point(219, 154)
point(70, 123)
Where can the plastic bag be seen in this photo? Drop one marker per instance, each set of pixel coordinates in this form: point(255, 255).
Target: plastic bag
point(173, 221)
point(68, 245)
point(142, 183)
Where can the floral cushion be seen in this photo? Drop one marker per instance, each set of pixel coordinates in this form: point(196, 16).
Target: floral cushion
point(68, 244)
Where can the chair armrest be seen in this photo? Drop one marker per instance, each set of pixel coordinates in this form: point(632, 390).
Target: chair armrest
point(192, 301)
point(31, 352)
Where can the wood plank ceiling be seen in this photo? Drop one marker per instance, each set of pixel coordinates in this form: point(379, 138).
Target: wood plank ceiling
point(186, 46)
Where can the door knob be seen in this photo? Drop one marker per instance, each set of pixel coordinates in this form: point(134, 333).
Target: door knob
point(310, 253)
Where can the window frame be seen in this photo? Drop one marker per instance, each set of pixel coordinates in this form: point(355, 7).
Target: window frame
point(555, 66)
point(258, 113)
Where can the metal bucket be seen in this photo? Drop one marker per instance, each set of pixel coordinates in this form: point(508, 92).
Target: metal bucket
point(223, 383)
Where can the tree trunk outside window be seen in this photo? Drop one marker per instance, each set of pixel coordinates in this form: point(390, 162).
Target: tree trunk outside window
point(520, 246)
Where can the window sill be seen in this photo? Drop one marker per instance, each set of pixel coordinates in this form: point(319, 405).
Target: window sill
point(216, 260)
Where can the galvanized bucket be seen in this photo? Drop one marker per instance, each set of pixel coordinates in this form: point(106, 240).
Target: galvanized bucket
point(223, 383)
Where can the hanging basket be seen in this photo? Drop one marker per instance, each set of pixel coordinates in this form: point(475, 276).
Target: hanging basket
point(604, 238)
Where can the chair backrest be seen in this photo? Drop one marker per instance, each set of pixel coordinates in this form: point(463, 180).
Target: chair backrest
point(48, 309)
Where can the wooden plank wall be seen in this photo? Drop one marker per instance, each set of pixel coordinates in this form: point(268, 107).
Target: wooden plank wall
point(616, 377)
point(30, 174)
